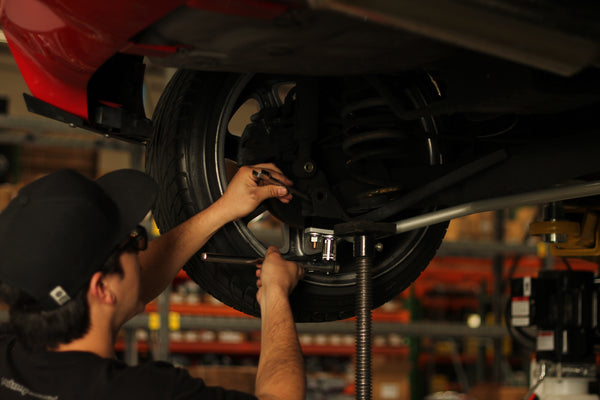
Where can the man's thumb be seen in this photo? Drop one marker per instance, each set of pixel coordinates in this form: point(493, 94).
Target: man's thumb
point(275, 191)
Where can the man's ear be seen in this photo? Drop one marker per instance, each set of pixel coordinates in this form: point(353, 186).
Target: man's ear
point(100, 290)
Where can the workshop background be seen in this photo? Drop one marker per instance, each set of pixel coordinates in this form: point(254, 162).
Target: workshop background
point(463, 290)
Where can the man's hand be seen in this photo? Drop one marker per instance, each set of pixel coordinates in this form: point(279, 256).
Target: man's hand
point(277, 274)
point(167, 254)
point(245, 192)
point(280, 374)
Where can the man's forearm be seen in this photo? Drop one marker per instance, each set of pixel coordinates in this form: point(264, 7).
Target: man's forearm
point(281, 366)
point(167, 254)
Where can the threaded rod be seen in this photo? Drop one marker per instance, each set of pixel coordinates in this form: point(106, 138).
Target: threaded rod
point(364, 303)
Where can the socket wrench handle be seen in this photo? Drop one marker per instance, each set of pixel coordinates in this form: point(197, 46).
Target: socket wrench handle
point(228, 259)
point(265, 176)
point(325, 267)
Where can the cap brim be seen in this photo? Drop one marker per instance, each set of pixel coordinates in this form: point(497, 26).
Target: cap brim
point(133, 192)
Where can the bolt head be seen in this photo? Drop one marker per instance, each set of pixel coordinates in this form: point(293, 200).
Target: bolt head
point(309, 167)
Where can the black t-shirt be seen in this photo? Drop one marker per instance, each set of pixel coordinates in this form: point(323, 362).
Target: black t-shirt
point(76, 375)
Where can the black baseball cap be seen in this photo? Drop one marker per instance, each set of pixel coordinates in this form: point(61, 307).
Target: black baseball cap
point(61, 228)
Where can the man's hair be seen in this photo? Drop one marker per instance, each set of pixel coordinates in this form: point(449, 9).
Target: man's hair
point(40, 329)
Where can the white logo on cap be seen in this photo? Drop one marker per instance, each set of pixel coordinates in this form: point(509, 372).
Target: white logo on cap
point(59, 295)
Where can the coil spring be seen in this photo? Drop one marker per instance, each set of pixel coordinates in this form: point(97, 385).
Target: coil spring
point(371, 133)
point(374, 139)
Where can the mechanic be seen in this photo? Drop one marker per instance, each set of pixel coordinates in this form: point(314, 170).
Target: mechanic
point(75, 266)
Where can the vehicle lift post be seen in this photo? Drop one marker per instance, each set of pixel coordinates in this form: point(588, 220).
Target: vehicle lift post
point(364, 300)
point(364, 235)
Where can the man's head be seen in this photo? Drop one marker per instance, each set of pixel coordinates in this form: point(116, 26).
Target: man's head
point(62, 228)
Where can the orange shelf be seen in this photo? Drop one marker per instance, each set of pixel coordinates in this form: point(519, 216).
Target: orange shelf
point(253, 348)
point(468, 272)
point(442, 303)
point(388, 316)
point(316, 350)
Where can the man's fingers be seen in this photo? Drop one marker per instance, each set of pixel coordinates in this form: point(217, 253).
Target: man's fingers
point(301, 271)
point(272, 250)
point(273, 191)
point(266, 190)
point(269, 166)
point(275, 172)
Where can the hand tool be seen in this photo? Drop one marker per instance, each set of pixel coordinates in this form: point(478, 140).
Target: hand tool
point(308, 266)
point(265, 176)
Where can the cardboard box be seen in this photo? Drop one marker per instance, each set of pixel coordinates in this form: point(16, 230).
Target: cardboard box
point(472, 227)
point(480, 227)
point(492, 391)
point(241, 378)
point(391, 378)
point(36, 161)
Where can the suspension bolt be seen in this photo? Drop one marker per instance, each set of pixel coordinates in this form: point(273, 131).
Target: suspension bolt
point(309, 167)
point(314, 240)
point(379, 247)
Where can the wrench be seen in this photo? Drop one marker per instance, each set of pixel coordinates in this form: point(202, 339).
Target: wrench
point(327, 268)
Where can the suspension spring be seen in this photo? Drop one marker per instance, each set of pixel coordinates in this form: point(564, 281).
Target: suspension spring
point(374, 140)
point(372, 134)
point(380, 138)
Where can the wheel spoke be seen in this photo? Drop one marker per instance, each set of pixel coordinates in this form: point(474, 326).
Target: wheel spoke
point(295, 241)
point(231, 147)
point(270, 92)
point(254, 214)
point(267, 229)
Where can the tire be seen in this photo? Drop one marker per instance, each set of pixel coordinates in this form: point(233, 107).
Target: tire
point(187, 157)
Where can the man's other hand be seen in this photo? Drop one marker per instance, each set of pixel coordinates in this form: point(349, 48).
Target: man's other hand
point(245, 192)
point(277, 274)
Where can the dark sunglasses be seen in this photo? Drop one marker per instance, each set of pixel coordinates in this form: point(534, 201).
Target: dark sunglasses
point(137, 240)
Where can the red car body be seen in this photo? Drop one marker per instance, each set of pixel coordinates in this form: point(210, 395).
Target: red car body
point(59, 44)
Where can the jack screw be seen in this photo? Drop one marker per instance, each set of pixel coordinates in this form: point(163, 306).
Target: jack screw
point(363, 248)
